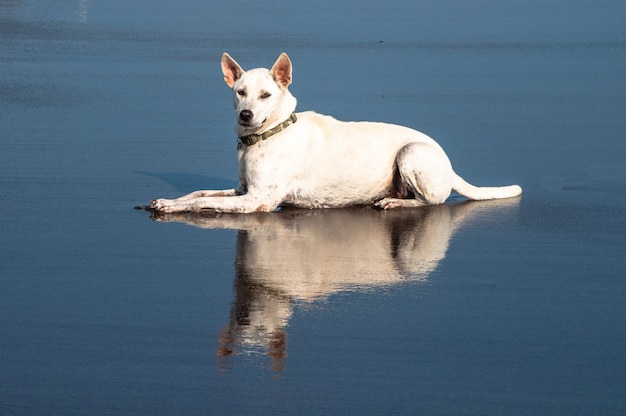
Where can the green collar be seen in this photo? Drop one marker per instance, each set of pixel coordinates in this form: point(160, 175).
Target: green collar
point(254, 138)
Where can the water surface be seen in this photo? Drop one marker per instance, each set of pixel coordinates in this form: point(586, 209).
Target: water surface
point(508, 307)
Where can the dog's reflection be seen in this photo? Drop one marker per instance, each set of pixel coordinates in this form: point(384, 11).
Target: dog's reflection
point(306, 255)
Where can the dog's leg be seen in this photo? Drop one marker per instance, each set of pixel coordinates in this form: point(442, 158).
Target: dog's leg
point(229, 204)
point(202, 194)
point(427, 173)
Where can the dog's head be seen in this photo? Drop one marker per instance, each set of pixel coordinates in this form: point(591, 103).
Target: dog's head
point(260, 96)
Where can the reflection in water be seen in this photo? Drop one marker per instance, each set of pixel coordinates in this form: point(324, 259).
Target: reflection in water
point(83, 11)
point(77, 10)
point(306, 255)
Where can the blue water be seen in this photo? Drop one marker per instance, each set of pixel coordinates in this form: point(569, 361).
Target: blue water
point(514, 307)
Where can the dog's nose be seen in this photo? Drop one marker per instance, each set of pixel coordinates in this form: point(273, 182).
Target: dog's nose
point(246, 115)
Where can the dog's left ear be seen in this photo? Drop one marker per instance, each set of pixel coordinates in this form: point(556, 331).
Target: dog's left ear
point(231, 69)
point(281, 71)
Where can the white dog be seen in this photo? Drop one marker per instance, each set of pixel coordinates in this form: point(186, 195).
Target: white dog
point(309, 160)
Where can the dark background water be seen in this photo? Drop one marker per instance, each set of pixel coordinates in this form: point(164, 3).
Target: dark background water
point(482, 308)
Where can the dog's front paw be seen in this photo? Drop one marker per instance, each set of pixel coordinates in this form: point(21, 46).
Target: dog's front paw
point(170, 206)
point(160, 205)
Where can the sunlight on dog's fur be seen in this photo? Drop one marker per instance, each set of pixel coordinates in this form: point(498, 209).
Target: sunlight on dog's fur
point(309, 160)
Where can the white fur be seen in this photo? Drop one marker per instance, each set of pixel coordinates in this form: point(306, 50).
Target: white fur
point(320, 162)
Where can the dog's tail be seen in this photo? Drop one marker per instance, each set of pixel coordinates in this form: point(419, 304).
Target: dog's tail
point(484, 192)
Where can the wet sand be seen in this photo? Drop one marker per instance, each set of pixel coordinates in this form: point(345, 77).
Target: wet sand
point(508, 307)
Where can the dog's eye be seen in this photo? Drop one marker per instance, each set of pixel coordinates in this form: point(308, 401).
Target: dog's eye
point(266, 95)
point(241, 93)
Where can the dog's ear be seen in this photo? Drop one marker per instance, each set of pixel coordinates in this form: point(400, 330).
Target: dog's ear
point(281, 71)
point(231, 69)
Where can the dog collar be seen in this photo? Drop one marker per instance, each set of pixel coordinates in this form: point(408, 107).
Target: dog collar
point(251, 139)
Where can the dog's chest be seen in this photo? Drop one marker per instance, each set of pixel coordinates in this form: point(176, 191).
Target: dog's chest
point(268, 162)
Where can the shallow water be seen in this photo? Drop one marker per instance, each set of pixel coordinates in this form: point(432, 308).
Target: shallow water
point(510, 307)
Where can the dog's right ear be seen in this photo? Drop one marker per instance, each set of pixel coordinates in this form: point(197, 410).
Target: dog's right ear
point(231, 69)
point(281, 71)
